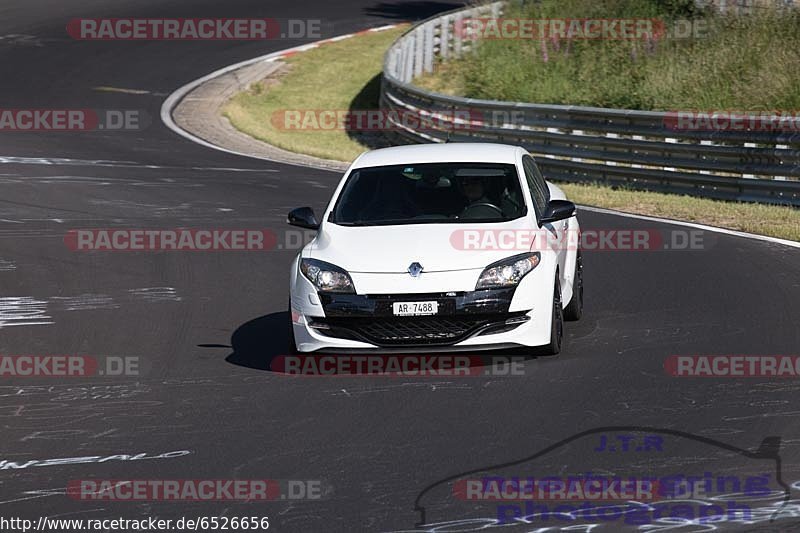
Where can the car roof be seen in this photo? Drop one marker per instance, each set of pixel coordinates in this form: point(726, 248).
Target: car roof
point(439, 153)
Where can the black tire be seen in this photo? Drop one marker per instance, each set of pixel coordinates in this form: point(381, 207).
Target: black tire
point(574, 311)
point(556, 324)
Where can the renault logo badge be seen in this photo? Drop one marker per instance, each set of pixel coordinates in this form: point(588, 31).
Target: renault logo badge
point(415, 269)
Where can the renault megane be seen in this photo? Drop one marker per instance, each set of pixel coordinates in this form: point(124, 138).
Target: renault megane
point(439, 247)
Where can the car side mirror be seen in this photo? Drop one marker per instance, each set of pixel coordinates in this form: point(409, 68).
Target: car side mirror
point(303, 217)
point(558, 210)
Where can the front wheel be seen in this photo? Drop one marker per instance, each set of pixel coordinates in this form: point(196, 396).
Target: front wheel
point(556, 324)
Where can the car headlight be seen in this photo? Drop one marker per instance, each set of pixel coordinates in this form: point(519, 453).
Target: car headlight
point(326, 277)
point(508, 272)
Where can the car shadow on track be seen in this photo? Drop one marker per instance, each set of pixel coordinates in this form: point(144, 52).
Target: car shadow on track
point(257, 342)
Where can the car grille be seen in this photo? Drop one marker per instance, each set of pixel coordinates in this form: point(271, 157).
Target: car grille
point(410, 330)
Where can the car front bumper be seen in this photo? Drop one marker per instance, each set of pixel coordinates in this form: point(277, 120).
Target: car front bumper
point(467, 320)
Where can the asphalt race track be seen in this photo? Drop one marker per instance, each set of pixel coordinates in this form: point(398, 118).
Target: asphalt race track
point(205, 325)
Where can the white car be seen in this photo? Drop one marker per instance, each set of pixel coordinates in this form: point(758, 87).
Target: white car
point(438, 247)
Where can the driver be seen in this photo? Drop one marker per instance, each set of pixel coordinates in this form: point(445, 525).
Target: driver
point(475, 191)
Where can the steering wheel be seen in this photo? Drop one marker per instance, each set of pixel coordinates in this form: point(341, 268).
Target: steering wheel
point(481, 210)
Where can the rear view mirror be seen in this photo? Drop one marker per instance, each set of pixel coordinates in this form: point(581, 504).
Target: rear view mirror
point(303, 217)
point(558, 210)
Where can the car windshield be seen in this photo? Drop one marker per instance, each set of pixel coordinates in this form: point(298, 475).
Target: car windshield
point(430, 193)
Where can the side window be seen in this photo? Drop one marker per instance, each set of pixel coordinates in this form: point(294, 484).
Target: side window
point(539, 196)
point(537, 174)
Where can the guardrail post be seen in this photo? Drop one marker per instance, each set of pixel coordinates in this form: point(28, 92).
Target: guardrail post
point(637, 138)
point(670, 140)
point(780, 147)
point(705, 142)
point(458, 32)
point(444, 38)
point(427, 64)
point(612, 136)
point(749, 176)
point(408, 62)
point(419, 50)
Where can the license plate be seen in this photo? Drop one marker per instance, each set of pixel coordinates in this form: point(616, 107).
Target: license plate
point(415, 308)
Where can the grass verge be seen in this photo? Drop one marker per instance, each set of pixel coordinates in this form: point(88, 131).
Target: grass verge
point(344, 75)
point(334, 77)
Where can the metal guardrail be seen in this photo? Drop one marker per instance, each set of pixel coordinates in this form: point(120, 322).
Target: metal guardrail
point(637, 149)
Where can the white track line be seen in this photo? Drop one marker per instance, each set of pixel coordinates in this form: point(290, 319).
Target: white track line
point(175, 98)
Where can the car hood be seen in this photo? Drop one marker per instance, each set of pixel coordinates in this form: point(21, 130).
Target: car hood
point(392, 249)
